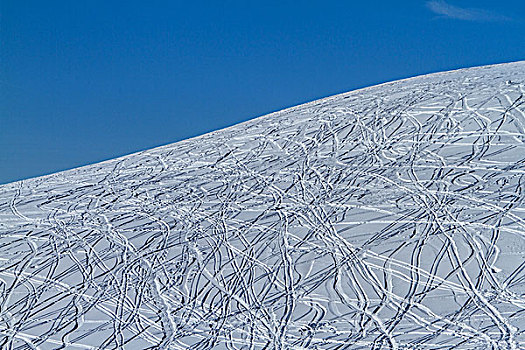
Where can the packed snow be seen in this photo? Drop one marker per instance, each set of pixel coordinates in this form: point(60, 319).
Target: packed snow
point(391, 217)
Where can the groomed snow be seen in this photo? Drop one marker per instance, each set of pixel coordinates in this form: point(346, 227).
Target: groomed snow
point(390, 217)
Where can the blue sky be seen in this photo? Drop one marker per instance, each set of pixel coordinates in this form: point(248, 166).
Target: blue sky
point(85, 81)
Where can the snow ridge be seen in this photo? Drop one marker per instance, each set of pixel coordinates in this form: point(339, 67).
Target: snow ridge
point(388, 217)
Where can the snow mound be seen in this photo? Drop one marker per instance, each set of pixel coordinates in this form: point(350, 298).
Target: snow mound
point(387, 217)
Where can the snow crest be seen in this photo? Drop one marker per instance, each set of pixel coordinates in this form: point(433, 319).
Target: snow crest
point(387, 217)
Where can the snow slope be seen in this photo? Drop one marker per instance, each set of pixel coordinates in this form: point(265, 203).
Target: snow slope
point(387, 217)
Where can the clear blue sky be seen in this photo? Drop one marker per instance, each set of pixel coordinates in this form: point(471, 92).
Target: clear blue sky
point(84, 81)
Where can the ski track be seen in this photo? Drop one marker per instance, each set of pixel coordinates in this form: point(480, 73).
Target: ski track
point(390, 217)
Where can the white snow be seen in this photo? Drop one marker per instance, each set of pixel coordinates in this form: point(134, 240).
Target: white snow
point(387, 217)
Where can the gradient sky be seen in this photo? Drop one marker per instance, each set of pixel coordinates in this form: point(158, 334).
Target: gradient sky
point(85, 81)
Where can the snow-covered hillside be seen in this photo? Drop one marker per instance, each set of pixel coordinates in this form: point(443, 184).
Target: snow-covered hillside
point(388, 217)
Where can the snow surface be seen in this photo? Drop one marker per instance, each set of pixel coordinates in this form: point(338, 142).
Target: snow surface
point(387, 217)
